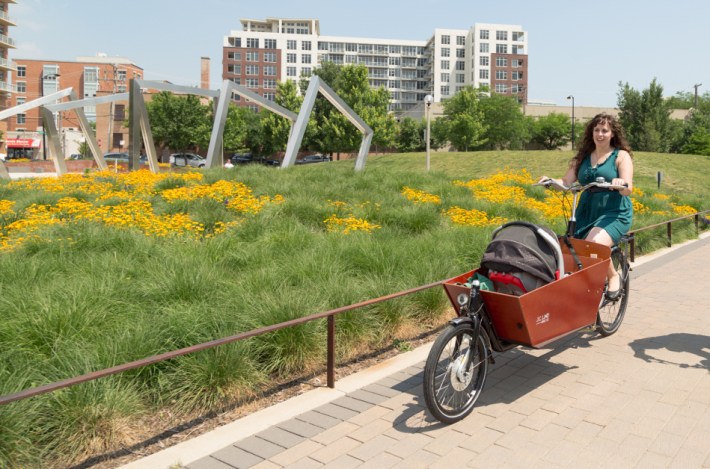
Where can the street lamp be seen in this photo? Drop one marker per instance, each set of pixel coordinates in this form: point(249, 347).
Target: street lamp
point(572, 98)
point(695, 105)
point(428, 99)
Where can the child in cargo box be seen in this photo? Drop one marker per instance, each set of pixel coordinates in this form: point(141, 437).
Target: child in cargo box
point(603, 217)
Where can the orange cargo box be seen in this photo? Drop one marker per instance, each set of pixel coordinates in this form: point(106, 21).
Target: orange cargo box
point(549, 312)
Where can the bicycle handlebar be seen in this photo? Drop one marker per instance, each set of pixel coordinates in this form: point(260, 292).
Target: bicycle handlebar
point(580, 188)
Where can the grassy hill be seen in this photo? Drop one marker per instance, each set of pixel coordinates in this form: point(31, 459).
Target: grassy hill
point(101, 270)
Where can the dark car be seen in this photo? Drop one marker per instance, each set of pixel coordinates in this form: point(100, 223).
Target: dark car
point(188, 159)
point(317, 158)
point(248, 158)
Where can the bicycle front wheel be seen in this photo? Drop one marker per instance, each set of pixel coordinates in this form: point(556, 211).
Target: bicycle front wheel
point(611, 311)
point(455, 372)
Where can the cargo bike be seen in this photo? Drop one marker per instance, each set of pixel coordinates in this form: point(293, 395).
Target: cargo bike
point(502, 310)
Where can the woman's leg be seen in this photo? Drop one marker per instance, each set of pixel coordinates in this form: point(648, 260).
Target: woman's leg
point(599, 236)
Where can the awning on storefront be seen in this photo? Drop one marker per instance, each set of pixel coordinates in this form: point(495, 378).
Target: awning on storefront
point(23, 143)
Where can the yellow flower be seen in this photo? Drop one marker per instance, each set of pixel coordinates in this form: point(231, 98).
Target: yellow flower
point(420, 197)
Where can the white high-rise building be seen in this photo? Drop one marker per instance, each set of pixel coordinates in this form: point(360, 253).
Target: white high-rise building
point(279, 49)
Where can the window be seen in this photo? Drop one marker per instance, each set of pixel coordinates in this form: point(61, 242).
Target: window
point(445, 89)
point(252, 69)
point(460, 53)
point(306, 71)
point(501, 35)
point(445, 77)
point(445, 64)
point(269, 70)
point(270, 57)
point(516, 63)
point(291, 44)
point(484, 61)
point(518, 50)
point(394, 60)
point(501, 48)
point(235, 41)
point(460, 78)
point(234, 68)
point(21, 87)
point(269, 43)
point(395, 50)
point(290, 71)
point(270, 96)
point(445, 52)
point(119, 89)
point(483, 74)
point(501, 74)
point(252, 43)
point(252, 83)
point(517, 76)
point(20, 119)
point(484, 34)
point(237, 80)
point(21, 71)
point(121, 74)
point(501, 62)
point(119, 112)
point(252, 56)
point(501, 88)
point(305, 59)
point(270, 84)
point(291, 58)
point(305, 45)
point(518, 36)
point(446, 39)
point(234, 55)
point(460, 40)
point(460, 65)
point(483, 47)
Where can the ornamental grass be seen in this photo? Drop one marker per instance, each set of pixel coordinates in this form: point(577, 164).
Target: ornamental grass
point(104, 268)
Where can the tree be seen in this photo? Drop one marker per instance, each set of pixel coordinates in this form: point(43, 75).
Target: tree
point(179, 122)
point(276, 129)
point(552, 131)
point(464, 119)
point(410, 135)
point(507, 128)
point(645, 117)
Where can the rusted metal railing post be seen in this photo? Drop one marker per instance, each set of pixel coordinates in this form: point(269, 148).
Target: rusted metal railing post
point(331, 351)
point(670, 239)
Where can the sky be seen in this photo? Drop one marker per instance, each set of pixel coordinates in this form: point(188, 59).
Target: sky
point(584, 49)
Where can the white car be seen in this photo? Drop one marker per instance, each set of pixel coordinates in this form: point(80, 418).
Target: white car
point(187, 159)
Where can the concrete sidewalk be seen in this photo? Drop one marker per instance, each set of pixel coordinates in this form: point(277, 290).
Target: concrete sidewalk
point(640, 398)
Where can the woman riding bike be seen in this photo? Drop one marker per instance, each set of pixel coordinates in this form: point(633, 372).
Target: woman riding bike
point(603, 217)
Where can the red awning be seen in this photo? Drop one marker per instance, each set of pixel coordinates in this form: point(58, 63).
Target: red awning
point(23, 143)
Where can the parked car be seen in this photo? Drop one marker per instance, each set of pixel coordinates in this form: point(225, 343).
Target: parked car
point(188, 159)
point(76, 156)
point(317, 158)
point(247, 158)
point(121, 157)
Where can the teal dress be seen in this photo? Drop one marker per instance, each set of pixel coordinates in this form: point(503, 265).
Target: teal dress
point(608, 210)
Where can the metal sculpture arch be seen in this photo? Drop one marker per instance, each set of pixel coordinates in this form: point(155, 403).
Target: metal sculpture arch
point(139, 130)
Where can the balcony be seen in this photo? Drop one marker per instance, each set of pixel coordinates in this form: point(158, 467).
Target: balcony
point(6, 87)
point(7, 41)
point(7, 65)
point(5, 19)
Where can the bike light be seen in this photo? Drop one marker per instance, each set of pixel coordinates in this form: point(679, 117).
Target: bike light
point(462, 299)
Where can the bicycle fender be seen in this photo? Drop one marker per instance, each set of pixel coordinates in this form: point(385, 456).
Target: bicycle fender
point(462, 320)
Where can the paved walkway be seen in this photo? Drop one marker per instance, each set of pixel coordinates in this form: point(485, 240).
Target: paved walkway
point(640, 398)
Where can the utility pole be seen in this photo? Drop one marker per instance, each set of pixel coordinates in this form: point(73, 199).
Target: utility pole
point(695, 105)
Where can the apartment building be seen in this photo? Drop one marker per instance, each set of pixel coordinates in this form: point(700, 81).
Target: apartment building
point(278, 49)
point(88, 77)
point(6, 43)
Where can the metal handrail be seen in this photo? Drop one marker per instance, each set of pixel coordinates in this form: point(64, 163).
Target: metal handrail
point(669, 231)
point(330, 315)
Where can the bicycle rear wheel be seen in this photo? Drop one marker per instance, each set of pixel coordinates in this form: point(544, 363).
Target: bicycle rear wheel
point(611, 312)
point(455, 372)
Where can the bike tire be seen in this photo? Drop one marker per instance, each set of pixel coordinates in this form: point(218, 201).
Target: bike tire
point(611, 312)
point(450, 391)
